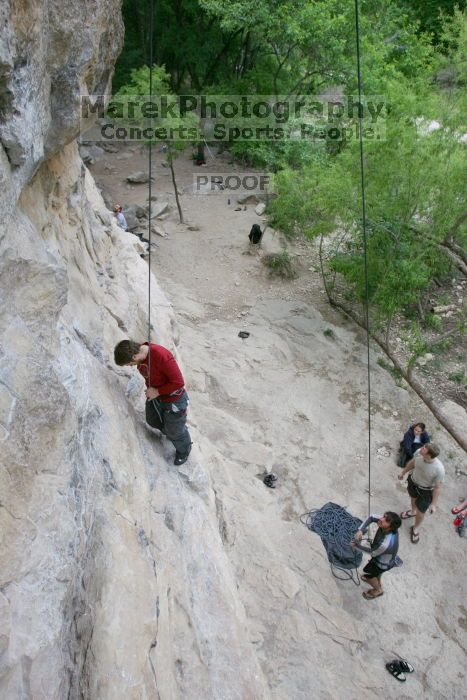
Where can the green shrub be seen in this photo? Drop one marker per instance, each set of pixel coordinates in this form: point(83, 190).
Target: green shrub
point(280, 265)
point(459, 377)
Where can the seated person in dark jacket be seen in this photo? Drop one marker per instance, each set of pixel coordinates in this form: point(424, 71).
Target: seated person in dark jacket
point(414, 438)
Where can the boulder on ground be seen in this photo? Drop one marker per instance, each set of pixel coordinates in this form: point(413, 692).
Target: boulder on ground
point(255, 198)
point(156, 229)
point(139, 177)
point(90, 154)
point(139, 211)
point(159, 209)
point(260, 209)
point(248, 199)
point(131, 218)
point(110, 147)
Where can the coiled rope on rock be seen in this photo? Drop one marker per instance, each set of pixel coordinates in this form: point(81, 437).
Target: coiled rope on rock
point(336, 527)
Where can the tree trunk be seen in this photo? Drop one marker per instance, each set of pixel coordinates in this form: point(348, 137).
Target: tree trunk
point(174, 182)
point(406, 373)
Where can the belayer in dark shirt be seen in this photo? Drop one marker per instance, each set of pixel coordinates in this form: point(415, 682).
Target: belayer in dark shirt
point(383, 550)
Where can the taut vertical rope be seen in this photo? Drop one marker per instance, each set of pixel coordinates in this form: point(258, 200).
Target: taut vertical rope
point(365, 254)
point(151, 34)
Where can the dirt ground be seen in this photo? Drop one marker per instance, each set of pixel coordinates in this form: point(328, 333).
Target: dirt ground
point(293, 398)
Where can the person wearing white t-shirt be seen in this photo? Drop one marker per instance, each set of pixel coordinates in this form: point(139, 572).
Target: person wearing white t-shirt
point(121, 221)
point(423, 485)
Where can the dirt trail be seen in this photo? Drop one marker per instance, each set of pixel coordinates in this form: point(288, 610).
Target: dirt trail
point(292, 397)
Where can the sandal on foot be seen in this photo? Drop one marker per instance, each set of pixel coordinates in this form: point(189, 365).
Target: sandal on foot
point(414, 536)
point(368, 596)
point(459, 508)
point(395, 670)
point(404, 665)
point(406, 514)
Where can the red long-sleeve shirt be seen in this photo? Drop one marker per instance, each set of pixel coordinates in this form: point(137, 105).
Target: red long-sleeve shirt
point(166, 376)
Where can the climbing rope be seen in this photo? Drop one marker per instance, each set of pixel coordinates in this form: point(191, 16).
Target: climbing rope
point(332, 522)
point(337, 527)
point(365, 245)
point(151, 35)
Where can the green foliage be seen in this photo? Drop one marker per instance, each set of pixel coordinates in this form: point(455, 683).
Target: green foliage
point(430, 13)
point(414, 54)
point(433, 321)
point(280, 265)
point(139, 86)
point(459, 377)
point(138, 82)
point(415, 196)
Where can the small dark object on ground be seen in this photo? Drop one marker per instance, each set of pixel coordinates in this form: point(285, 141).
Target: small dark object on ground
point(255, 234)
point(398, 667)
point(269, 480)
point(396, 671)
point(243, 334)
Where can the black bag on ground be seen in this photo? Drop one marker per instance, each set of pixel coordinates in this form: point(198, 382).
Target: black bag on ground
point(255, 234)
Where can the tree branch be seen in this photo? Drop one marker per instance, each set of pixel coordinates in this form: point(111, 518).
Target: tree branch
point(407, 374)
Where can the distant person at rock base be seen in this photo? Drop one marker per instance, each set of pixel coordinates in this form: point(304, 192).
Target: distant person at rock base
point(383, 550)
point(423, 484)
point(121, 221)
point(414, 438)
point(199, 157)
point(167, 399)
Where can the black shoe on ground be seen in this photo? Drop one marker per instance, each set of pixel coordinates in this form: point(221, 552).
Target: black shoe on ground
point(181, 457)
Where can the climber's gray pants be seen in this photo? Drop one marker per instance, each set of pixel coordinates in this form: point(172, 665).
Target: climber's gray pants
point(170, 419)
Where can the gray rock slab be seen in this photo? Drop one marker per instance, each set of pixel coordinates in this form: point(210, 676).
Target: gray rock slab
point(139, 177)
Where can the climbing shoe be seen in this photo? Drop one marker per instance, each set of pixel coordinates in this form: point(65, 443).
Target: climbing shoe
point(269, 480)
point(181, 457)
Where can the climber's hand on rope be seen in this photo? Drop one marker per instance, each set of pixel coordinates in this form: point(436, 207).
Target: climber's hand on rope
point(151, 393)
point(358, 535)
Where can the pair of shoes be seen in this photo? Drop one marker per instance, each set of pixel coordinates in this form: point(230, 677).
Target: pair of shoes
point(414, 536)
point(398, 668)
point(181, 457)
point(405, 666)
point(406, 514)
point(369, 596)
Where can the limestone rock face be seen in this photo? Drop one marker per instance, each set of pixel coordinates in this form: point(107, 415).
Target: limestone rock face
point(114, 580)
point(51, 53)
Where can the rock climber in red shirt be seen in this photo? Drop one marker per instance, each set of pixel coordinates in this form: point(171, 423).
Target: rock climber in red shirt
point(167, 400)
